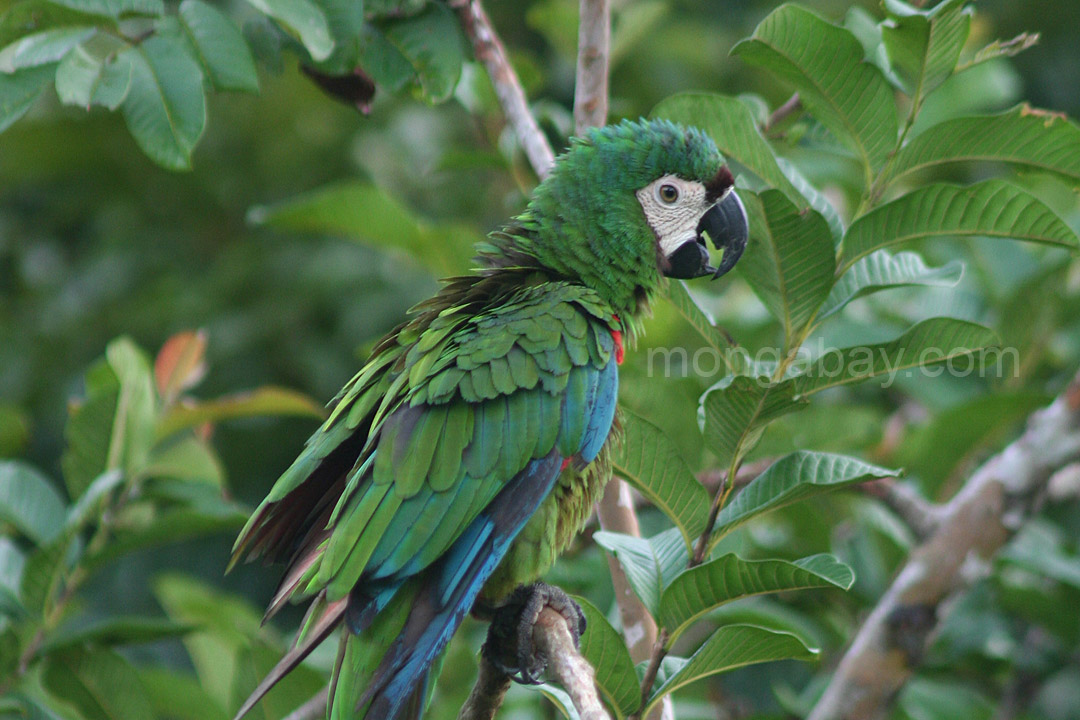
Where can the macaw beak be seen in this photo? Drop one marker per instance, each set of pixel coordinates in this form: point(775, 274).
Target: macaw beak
point(726, 226)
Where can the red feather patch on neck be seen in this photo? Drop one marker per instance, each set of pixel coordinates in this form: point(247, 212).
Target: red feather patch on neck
point(616, 335)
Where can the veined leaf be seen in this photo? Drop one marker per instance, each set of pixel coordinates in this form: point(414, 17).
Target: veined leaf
point(220, 46)
point(42, 573)
point(925, 47)
point(650, 563)
point(929, 342)
point(91, 503)
point(993, 208)
point(12, 562)
point(432, 43)
point(730, 647)
point(882, 270)
point(790, 261)
point(305, 20)
point(825, 64)
point(794, 477)
point(42, 48)
point(606, 651)
point(164, 109)
point(96, 72)
point(737, 409)
point(99, 682)
point(263, 401)
point(1024, 137)
point(29, 502)
point(706, 587)
point(651, 463)
point(699, 318)
point(816, 198)
point(19, 90)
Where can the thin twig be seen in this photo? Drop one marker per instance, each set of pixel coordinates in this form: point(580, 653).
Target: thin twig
point(790, 107)
point(991, 506)
point(489, 50)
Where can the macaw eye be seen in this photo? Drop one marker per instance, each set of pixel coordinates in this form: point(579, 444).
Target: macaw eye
point(669, 194)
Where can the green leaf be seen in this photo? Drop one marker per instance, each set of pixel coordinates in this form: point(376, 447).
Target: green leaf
point(1023, 136)
point(432, 44)
point(304, 20)
point(165, 109)
point(382, 61)
point(925, 47)
point(42, 48)
point(95, 73)
point(790, 261)
point(118, 631)
point(825, 64)
point(730, 647)
point(42, 574)
point(113, 428)
point(345, 18)
point(19, 90)
point(737, 409)
point(794, 477)
point(992, 208)
point(882, 270)
point(178, 695)
point(220, 46)
point(91, 503)
point(29, 502)
point(12, 562)
point(650, 462)
point(353, 209)
point(606, 651)
point(229, 621)
point(115, 8)
point(727, 578)
point(650, 563)
point(170, 526)
point(930, 342)
point(264, 401)
point(99, 682)
point(699, 318)
point(189, 458)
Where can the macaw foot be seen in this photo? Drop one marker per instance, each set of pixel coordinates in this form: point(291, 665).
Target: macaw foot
point(509, 644)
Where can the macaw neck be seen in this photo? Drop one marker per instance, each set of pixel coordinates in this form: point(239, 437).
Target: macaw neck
point(626, 284)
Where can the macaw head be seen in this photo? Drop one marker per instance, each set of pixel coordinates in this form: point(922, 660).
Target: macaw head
point(628, 204)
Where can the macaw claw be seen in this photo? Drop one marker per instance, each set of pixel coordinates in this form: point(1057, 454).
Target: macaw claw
point(509, 645)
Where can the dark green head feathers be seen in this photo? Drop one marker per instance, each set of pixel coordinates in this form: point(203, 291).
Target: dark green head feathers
point(624, 206)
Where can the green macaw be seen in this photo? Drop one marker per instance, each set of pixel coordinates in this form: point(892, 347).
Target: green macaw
point(470, 449)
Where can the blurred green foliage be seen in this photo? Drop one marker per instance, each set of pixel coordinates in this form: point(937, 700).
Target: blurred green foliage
point(304, 230)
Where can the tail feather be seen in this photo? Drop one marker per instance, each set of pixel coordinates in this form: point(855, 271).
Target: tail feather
point(419, 622)
point(330, 618)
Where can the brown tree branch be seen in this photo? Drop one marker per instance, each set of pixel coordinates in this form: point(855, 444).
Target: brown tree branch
point(487, 693)
point(594, 46)
point(615, 510)
point(566, 665)
point(984, 514)
point(489, 50)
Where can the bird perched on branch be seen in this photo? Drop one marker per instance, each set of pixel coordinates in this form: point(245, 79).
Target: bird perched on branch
point(470, 449)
